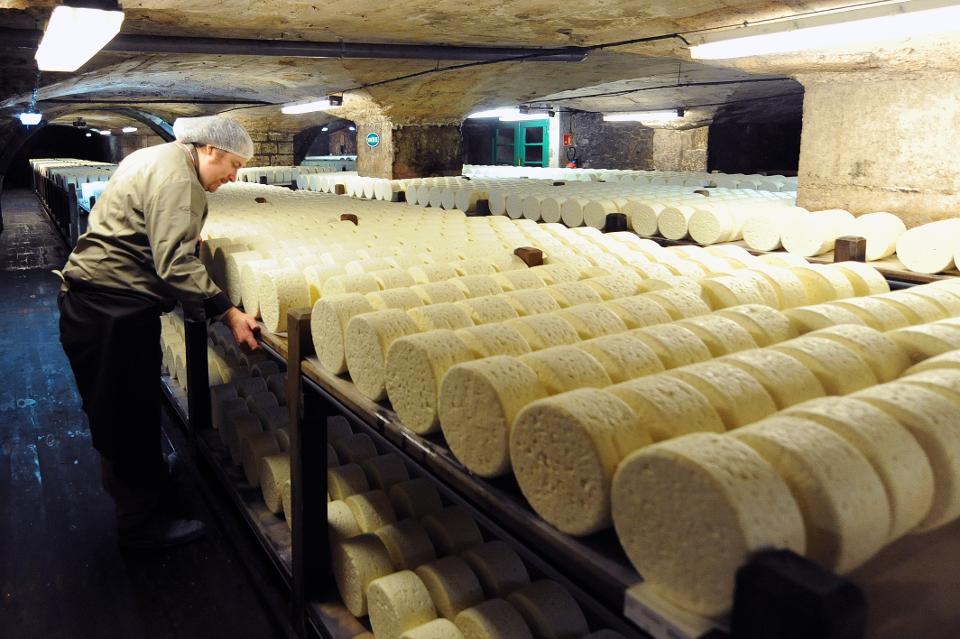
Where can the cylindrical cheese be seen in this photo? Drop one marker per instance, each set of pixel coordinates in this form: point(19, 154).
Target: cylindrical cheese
point(569, 294)
point(839, 369)
point(674, 345)
point(564, 368)
point(477, 285)
point(845, 508)
point(355, 283)
point(452, 530)
point(929, 248)
point(281, 291)
point(622, 356)
point(493, 339)
point(865, 279)
point(884, 356)
point(488, 310)
point(787, 380)
point(564, 450)
point(544, 331)
point(498, 568)
point(874, 313)
point(679, 303)
point(355, 448)
point(452, 585)
point(893, 452)
point(274, 473)
point(356, 562)
point(384, 471)
point(402, 298)
point(638, 311)
point(436, 629)
point(368, 340)
point(437, 316)
point(346, 480)
point(805, 319)
point(720, 334)
point(738, 398)
point(668, 407)
point(372, 510)
point(592, 320)
point(415, 498)
point(253, 448)
point(712, 501)
point(408, 544)
point(549, 610)
point(242, 426)
point(397, 603)
point(531, 301)
point(492, 619)
point(328, 325)
point(881, 230)
point(341, 522)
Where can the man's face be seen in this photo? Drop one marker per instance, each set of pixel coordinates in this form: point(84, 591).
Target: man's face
point(217, 167)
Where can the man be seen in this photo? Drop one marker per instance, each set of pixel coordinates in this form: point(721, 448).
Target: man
point(136, 261)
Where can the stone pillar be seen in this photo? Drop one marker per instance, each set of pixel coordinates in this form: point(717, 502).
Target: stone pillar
point(271, 148)
point(680, 149)
point(881, 142)
point(409, 151)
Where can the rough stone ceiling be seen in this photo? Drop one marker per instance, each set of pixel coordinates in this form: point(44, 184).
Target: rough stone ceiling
point(246, 85)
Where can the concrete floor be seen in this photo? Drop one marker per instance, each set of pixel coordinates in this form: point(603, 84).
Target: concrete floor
point(61, 571)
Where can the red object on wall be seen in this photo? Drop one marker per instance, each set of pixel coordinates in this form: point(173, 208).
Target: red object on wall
point(567, 139)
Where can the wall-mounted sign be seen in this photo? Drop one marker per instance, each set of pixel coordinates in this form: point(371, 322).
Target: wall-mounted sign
point(373, 140)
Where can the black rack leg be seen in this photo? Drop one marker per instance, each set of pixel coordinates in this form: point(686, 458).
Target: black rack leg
point(198, 380)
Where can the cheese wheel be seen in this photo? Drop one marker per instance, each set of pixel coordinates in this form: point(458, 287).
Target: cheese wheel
point(881, 230)
point(474, 267)
point(233, 279)
point(884, 356)
point(610, 287)
point(556, 273)
point(488, 310)
point(356, 283)
point(493, 339)
point(277, 384)
point(242, 426)
point(806, 319)
point(950, 360)
point(845, 508)
point(253, 449)
point(929, 248)
point(328, 327)
point(367, 342)
point(874, 313)
point(762, 231)
point(372, 510)
point(452, 530)
point(622, 356)
point(674, 345)
point(788, 287)
point(384, 471)
point(438, 293)
point(711, 499)
point(531, 301)
point(765, 325)
point(371, 265)
point(917, 309)
point(435, 272)
point(498, 568)
point(643, 216)
point(346, 480)
point(477, 285)
point(250, 283)
point(944, 381)
point(820, 285)
point(668, 407)
point(865, 279)
point(893, 452)
point(783, 260)
point(769, 291)
point(452, 585)
point(942, 298)
point(274, 473)
point(679, 303)
point(230, 410)
point(260, 403)
point(592, 320)
point(674, 221)
point(274, 418)
point(638, 311)
point(817, 233)
point(738, 398)
point(355, 448)
point(402, 298)
point(280, 292)
point(357, 561)
point(544, 331)
point(518, 279)
point(415, 367)
point(549, 610)
point(250, 386)
point(839, 368)
point(316, 275)
point(415, 499)
point(437, 316)
point(926, 340)
point(219, 395)
point(729, 290)
point(564, 368)
point(720, 334)
point(337, 428)
point(478, 403)
point(408, 544)
point(436, 629)
point(787, 380)
point(492, 619)
point(570, 294)
point(341, 522)
point(564, 451)
point(932, 420)
point(390, 278)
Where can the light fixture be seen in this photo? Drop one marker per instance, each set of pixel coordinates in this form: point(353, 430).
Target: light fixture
point(104, 132)
point(352, 128)
point(324, 129)
point(30, 118)
point(887, 21)
point(129, 129)
point(645, 116)
point(80, 123)
point(75, 33)
point(508, 114)
point(89, 135)
point(309, 107)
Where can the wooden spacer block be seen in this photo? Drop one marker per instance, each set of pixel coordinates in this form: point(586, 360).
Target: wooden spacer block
point(850, 248)
point(531, 256)
point(615, 222)
point(340, 189)
point(350, 217)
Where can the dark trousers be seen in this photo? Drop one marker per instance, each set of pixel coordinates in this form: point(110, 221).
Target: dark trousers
point(113, 343)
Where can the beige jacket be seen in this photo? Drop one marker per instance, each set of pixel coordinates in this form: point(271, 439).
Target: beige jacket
point(143, 232)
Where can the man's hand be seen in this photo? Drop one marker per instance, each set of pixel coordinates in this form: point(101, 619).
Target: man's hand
point(244, 328)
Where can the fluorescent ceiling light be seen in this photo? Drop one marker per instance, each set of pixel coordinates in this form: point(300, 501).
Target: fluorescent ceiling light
point(644, 116)
point(129, 129)
point(30, 119)
point(89, 135)
point(352, 128)
point(506, 114)
point(74, 35)
point(104, 132)
point(306, 107)
point(324, 128)
point(889, 21)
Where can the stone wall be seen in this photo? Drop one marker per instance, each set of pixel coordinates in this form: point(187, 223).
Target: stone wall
point(680, 150)
point(608, 145)
point(427, 151)
point(127, 143)
point(271, 148)
point(342, 142)
point(768, 148)
point(378, 161)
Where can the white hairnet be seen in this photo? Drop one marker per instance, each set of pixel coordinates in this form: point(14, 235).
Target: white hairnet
point(215, 130)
